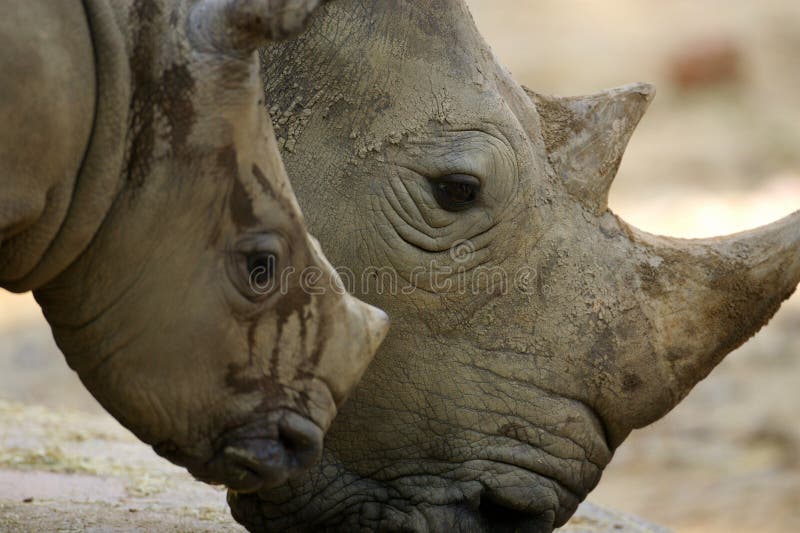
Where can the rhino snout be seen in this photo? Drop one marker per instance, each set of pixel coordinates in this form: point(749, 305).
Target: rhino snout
point(261, 455)
point(253, 464)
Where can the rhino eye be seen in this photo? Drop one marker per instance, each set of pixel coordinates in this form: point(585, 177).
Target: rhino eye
point(456, 192)
point(261, 267)
point(254, 262)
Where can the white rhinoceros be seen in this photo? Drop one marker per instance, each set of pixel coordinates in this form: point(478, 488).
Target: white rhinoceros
point(532, 328)
point(144, 202)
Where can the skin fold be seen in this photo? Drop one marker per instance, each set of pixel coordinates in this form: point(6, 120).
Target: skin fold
point(144, 202)
point(533, 329)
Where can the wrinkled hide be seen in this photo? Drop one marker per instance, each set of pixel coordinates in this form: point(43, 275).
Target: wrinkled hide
point(498, 398)
point(144, 202)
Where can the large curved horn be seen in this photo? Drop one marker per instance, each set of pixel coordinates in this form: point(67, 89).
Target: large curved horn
point(700, 298)
point(242, 26)
point(706, 297)
point(697, 300)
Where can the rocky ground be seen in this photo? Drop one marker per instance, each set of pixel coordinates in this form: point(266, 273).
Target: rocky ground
point(717, 153)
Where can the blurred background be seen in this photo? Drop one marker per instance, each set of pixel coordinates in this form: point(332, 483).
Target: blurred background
point(718, 152)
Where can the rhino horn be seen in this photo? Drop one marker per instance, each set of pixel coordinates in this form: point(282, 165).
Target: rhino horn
point(586, 136)
point(706, 297)
point(242, 26)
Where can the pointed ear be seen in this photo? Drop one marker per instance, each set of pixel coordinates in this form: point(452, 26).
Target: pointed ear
point(586, 136)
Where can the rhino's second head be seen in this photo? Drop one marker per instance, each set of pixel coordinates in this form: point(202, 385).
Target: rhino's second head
point(532, 328)
point(182, 284)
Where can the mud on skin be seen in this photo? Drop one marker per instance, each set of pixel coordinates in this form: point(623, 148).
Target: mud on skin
point(161, 194)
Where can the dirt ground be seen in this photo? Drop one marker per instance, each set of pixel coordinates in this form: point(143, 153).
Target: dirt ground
point(63, 470)
point(714, 155)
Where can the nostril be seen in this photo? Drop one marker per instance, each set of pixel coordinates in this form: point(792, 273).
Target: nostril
point(302, 440)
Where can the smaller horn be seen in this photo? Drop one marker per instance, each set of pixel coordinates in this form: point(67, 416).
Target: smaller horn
point(586, 136)
point(242, 26)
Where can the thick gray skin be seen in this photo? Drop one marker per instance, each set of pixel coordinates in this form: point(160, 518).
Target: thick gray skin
point(495, 410)
point(139, 171)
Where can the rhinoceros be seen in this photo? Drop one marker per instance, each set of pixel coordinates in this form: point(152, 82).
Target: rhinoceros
point(532, 328)
point(144, 202)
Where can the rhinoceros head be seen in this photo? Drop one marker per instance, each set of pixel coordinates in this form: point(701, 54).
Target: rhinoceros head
point(532, 328)
point(201, 314)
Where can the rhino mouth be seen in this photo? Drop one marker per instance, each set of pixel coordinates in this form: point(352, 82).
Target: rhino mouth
point(513, 476)
point(475, 496)
point(534, 501)
point(257, 456)
point(510, 513)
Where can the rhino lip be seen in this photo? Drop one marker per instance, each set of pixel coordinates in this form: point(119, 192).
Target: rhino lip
point(246, 466)
point(502, 507)
point(214, 470)
point(530, 464)
point(247, 473)
point(506, 512)
point(238, 475)
point(262, 454)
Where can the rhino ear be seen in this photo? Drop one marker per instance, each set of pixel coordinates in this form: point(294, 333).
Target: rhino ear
point(242, 26)
point(586, 136)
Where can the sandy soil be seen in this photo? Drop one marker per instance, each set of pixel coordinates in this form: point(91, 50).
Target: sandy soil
point(63, 470)
point(708, 159)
